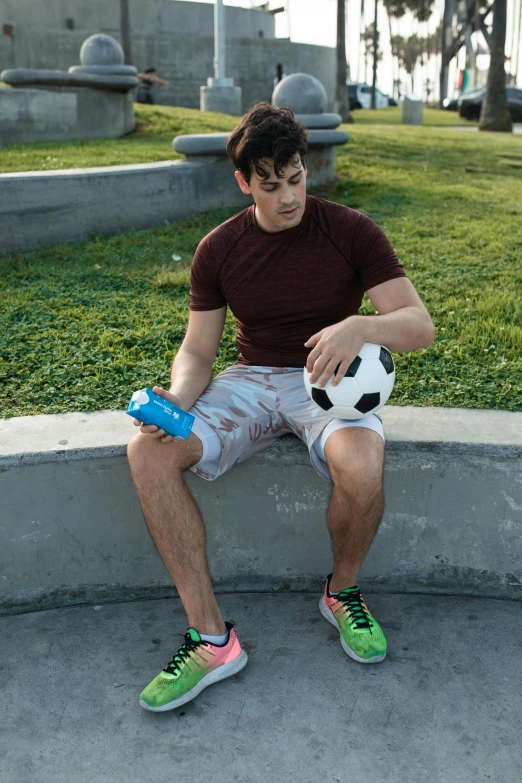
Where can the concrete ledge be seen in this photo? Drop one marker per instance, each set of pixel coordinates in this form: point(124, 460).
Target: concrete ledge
point(73, 530)
point(46, 208)
point(200, 144)
point(324, 121)
point(32, 440)
point(75, 77)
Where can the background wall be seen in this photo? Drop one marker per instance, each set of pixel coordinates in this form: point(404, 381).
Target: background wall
point(176, 38)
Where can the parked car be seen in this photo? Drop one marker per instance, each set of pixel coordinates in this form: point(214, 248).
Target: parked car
point(453, 104)
point(360, 95)
point(450, 104)
point(470, 104)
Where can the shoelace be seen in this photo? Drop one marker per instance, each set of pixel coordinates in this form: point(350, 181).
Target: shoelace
point(359, 615)
point(182, 654)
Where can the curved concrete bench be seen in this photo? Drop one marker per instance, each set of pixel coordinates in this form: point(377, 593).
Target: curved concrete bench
point(46, 208)
point(75, 77)
point(200, 144)
point(73, 530)
point(325, 121)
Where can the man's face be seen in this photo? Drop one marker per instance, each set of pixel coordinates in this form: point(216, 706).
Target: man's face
point(280, 201)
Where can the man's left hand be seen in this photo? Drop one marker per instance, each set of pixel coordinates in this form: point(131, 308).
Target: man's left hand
point(337, 344)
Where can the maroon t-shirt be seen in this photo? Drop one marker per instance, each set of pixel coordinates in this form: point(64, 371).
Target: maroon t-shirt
point(284, 287)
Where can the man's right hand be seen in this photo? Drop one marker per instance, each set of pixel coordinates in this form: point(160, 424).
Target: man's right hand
point(151, 429)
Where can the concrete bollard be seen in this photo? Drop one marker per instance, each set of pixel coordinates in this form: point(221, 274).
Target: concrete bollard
point(412, 110)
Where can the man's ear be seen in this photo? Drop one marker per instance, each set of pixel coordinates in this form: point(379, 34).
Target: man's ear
point(243, 184)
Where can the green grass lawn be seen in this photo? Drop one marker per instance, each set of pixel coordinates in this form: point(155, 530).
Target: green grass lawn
point(392, 115)
point(152, 139)
point(84, 325)
point(156, 127)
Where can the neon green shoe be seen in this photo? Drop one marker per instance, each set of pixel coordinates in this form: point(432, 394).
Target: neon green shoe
point(360, 634)
point(196, 665)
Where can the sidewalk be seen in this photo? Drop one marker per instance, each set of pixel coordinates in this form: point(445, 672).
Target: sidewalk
point(444, 707)
point(517, 128)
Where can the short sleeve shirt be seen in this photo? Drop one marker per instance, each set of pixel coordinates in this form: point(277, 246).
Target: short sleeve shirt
point(283, 287)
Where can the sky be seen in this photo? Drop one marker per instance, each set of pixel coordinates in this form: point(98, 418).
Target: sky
point(305, 23)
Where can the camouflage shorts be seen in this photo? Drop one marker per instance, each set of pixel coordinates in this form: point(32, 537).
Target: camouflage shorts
point(249, 407)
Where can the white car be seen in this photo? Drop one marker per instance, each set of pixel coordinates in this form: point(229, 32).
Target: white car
point(360, 95)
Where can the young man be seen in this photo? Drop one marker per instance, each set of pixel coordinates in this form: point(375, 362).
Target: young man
point(293, 269)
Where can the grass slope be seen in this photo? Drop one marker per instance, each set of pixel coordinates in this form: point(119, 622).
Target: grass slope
point(156, 126)
point(84, 325)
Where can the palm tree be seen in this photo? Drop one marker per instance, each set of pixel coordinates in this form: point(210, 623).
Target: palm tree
point(409, 50)
point(422, 11)
point(394, 9)
point(375, 48)
point(361, 27)
point(368, 40)
point(494, 115)
point(342, 105)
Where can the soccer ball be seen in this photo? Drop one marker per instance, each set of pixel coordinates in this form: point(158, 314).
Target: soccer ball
point(365, 388)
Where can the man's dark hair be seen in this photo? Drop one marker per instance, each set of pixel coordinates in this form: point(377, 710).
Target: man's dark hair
point(149, 70)
point(266, 131)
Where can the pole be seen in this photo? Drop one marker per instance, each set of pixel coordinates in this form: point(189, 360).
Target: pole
point(125, 30)
point(374, 81)
point(519, 41)
point(447, 40)
point(341, 91)
point(219, 41)
point(513, 39)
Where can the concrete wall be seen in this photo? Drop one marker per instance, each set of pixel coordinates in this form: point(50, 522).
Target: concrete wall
point(46, 208)
point(176, 38)
point(153, 17)
point(73, 531)
point(28, 115)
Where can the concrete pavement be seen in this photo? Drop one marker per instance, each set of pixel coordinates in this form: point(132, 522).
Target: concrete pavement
point(517, 128)
point(444, 707)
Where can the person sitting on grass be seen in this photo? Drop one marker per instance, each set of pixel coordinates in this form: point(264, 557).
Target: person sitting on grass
point(293, 268)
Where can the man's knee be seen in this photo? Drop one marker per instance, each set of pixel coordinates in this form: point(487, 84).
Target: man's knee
point(147, 453)
point(356, 459)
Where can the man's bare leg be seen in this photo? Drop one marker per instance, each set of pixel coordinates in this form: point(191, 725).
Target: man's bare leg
point(355, 457)
point(176, 524)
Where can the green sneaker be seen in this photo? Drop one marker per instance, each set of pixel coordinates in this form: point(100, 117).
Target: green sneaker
point(361, 635)
point(196, 664)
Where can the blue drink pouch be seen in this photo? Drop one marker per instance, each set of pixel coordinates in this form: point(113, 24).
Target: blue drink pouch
point(150, 408)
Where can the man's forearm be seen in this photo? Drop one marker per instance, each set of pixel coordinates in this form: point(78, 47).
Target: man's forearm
point(401, 331)
point(189, 377)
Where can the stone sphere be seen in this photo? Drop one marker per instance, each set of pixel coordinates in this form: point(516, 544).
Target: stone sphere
point(101, 49)
point(302, 93)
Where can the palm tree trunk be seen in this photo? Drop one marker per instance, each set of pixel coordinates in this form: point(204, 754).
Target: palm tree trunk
point(359, 53)
point(341, 105)
point(393, 58)
point(495, 115)
point(375, 52)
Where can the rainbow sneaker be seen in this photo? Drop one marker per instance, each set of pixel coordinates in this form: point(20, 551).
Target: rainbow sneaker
point(196, 664)
point(361, 636)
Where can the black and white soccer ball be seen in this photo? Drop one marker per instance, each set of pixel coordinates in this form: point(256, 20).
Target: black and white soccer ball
point(366, 386)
